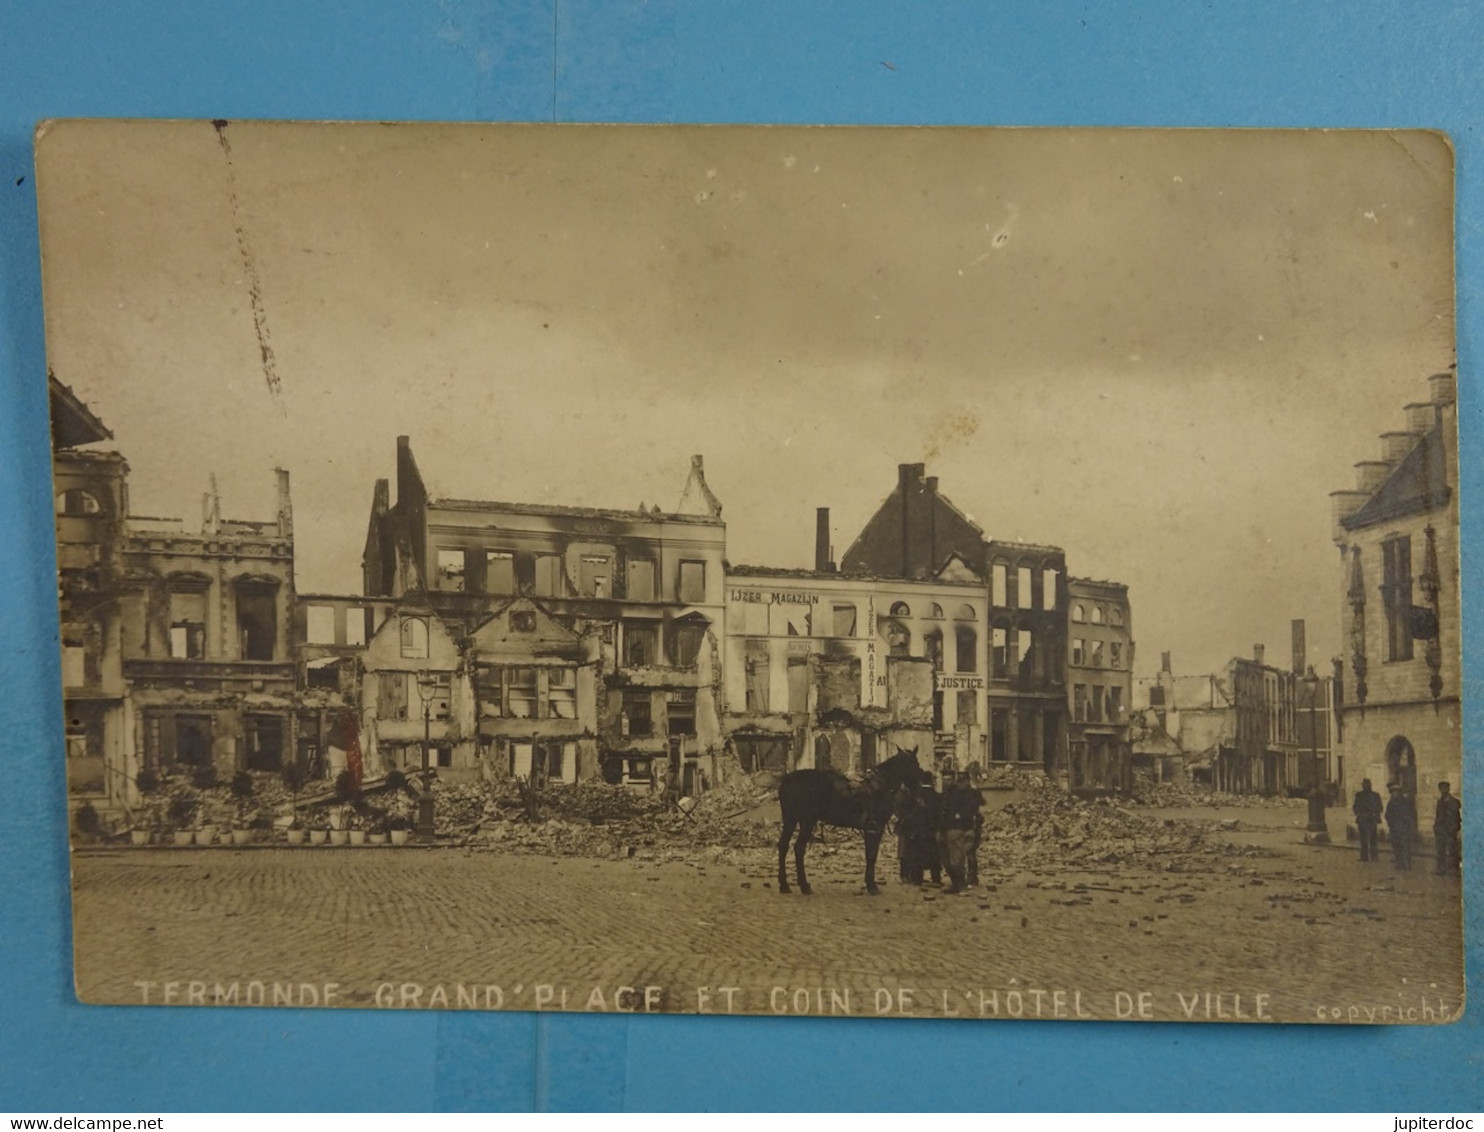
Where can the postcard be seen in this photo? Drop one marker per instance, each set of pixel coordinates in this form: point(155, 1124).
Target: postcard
point(856, 572)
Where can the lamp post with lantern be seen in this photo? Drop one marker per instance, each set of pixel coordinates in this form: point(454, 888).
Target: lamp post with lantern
point(1317, 828)
point(427, 688)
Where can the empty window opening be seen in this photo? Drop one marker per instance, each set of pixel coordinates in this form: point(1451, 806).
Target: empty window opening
point(78, 503)
point(499, 572)
point(561, 692)
point(414, 638)
point(319, 624)
point(1097, 615)
point(680, 717)
point(638, 714)
point(1079, 612)
point(686, 638)
point(968, 706)
point(188, 624)
point(999, 583)
point(451, 569)
point(932, 647)
point(263, 739)
point(756, 669)
point(550, 577)
point(640, 580)
point(900, 609)
point(323, 673)
point(1023, 588)
point(594, 575)
point(257, 620)
point(641, 643)
point(693, 581)
point(1000, 643)
point(966, 641)
point(1049, 580)
point(843, 620)
point(999, 735)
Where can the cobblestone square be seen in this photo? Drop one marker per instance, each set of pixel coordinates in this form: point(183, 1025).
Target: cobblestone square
point(1303, 933)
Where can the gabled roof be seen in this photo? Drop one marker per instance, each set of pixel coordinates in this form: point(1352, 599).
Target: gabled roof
point(1419, 483)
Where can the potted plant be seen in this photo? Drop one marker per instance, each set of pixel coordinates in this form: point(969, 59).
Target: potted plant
point(87, 823)
point(376, 826)
point(182, 813)
point(356, 827)
point(148, 784)
point(399, 829)
point(242, 790)
point(293, 781)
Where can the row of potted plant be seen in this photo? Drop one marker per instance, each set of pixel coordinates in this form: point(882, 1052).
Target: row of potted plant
point(179, 811)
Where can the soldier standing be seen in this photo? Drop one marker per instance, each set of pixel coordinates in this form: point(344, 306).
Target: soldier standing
point(1401, 825)
point(961, 803)
point(1447, 822)
point(1367, 817)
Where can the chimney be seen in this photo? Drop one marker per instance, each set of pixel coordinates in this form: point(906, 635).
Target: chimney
point(1443, 388)
point(1398, 444)
point(1257, 651)
point(1420, 416)
point(285, 505)
point(1371, 474)
point(1299, 658)
point(822, 561)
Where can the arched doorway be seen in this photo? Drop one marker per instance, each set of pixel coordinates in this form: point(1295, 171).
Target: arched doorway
point(1401, 764)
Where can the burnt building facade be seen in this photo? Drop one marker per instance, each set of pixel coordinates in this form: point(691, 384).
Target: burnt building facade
point(639, 593)
point(1100, 660)
point(917, 533)
point(177, 649)
point(1237, 727)
point(838, 671)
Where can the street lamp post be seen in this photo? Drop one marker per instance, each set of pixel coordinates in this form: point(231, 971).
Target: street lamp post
point(1317, 827)
point(427, 687)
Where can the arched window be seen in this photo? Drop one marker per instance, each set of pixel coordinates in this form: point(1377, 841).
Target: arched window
point(966, 613)
point(967, 641)
point(414, 638)
point(1115, 617)
point(79, 503)
point(900, 609)
point(1097, 615)
point(1079, 614)
point(935, 610)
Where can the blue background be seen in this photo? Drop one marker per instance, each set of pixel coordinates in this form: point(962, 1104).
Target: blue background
point(1227, 63)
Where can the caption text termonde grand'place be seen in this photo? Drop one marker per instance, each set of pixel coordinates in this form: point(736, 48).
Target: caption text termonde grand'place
point(1011, 1001)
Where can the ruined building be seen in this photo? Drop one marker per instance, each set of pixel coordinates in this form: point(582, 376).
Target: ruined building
point(918, 534)
point(1237, 727)
point(1100, 661)
point(590, 638)
point(1399, 695)
point(176, 645)
point(838, 671)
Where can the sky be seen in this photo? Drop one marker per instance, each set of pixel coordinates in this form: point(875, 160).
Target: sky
point(1159, 350)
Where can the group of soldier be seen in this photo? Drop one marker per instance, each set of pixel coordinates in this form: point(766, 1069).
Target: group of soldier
point(939, 828)
point(1400, 813)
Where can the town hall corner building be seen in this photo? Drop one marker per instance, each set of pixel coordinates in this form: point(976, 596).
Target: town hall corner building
point(1399, 702)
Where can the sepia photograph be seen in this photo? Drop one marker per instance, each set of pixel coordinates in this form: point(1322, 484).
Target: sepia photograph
point(953, 573)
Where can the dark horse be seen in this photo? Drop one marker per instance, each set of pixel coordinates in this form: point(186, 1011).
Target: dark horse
point(809, 797)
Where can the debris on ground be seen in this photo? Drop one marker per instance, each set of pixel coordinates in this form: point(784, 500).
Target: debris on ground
point(1172, 795)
